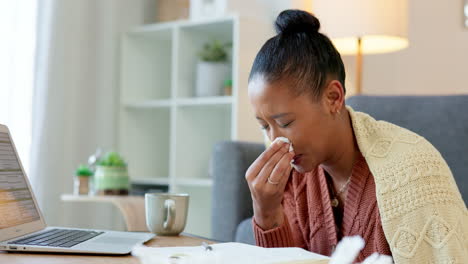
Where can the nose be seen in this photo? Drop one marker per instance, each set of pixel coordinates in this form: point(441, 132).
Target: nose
point(273, 134)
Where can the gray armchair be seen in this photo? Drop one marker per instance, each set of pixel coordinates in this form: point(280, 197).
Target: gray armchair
point(440, 119)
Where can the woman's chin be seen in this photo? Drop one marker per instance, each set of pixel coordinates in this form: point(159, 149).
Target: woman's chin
point(302, 169)
point(298, 169)
point(303, 166)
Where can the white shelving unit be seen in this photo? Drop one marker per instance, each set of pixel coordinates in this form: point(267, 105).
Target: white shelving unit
point(165, 133)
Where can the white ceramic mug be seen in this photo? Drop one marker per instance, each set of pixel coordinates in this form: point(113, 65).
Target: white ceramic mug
point(166, 214)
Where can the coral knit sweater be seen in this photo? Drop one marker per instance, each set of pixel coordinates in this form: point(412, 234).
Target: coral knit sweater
point(309, 219)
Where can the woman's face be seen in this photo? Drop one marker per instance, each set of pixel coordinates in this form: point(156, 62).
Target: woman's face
point(308, 123)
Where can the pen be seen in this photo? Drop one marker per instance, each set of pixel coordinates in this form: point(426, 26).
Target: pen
point(207, 247)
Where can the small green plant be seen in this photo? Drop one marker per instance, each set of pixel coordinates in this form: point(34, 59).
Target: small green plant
point(83, 170)
point(214, 51)
point(112, 159)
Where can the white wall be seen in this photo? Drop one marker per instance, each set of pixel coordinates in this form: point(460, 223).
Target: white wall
point(436, 61)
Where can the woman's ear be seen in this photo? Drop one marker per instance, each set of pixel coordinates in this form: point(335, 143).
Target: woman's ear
point(334, 96)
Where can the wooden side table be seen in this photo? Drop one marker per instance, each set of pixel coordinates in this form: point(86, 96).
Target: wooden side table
point(132, 208)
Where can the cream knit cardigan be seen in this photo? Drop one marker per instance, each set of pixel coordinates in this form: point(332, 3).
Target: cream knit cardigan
point(423, 214)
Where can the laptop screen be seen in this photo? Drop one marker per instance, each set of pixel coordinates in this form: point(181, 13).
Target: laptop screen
point(16, 202)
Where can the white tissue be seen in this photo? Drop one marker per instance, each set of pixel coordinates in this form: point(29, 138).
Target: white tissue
point(348, 249)
point(285, 140)
point(291, 149)
point(376, 258)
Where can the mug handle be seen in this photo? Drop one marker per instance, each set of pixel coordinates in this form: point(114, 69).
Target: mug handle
point(169, 216)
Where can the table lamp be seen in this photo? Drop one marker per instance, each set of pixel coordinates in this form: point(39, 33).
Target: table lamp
point(358, 27)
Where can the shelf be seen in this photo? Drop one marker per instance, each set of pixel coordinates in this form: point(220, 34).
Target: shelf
point(193, 101)
point(218, 100)
point(148, 104)
point(207, 21)
point(166, 133)
point(219, 28)
point(152, 181)
point(98, 198)
point(149, 28)
point(195, 182)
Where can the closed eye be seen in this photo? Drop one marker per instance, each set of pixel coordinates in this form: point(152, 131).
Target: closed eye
point(286, 125)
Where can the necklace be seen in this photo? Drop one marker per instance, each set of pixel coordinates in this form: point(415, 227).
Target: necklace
point(334, 201)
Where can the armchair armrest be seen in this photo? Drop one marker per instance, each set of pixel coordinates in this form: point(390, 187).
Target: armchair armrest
point(232, 202)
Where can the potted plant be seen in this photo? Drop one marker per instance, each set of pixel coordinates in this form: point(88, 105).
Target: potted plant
point(82, 180)
point(212, 69)
point(111, 176)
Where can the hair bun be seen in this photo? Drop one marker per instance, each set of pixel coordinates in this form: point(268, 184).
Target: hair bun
point(296, 21)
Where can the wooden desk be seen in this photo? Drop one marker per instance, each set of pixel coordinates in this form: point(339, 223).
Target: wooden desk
point(39, 258)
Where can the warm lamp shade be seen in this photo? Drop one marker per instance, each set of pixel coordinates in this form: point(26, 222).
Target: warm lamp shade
point(381, 24)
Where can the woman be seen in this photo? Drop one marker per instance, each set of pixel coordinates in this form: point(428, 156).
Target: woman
point(350, 174)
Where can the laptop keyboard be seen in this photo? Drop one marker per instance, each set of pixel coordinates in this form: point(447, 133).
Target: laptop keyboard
point(57, 238)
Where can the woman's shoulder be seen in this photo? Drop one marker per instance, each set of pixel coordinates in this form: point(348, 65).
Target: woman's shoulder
point(405, 166)
point(380, 139)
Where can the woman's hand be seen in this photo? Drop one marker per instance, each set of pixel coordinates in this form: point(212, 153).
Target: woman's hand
point(267, 178)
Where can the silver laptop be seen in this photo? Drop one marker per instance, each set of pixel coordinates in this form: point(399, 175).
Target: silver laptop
point(22, 226)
